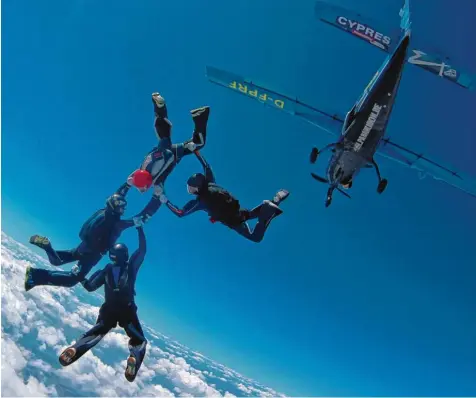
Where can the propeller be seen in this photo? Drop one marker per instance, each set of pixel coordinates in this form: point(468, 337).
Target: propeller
point(314, 155)
point(319, 178)
point(344, 193)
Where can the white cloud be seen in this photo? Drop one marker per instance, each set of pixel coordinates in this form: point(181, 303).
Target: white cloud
point(156, 391)
point(243, 388)
point(13, 385)
point(116, 340)
point(12, 356)
point(40, 364)
point(50, 336)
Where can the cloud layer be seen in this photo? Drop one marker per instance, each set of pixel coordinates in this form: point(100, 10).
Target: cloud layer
point(37, 325)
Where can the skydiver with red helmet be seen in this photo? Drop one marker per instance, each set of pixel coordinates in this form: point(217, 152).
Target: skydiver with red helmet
point(161, 160)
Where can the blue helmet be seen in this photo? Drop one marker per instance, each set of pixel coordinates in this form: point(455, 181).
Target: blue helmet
point(195, 183)
point(119, 254)
point(117, 203)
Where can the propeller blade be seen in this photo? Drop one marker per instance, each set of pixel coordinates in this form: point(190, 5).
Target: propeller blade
point(344, 193)
point(319, 178)
point(314, 155)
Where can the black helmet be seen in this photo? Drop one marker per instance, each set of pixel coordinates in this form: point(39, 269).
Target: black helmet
point(117, 203)
point(119, 253)
point(195, 183)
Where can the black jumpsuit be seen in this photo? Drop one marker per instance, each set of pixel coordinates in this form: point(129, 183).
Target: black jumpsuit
point(238, 222)
point(119, 306)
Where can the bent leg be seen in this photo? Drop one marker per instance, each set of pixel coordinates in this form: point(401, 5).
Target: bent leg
point(279, 197)
point(244, 230)
point(79, 271)
point(59, 257)
point(162, 124)
point(253, 213)
point(266, 213)
point(88, 340)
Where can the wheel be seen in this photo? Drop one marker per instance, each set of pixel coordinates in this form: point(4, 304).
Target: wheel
point(328, 202)
point(314, 154)
point(382, 185)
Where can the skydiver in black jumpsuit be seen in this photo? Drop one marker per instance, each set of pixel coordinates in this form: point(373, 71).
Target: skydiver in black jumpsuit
point(221, 206)
point(100, 232)
point(118, 278)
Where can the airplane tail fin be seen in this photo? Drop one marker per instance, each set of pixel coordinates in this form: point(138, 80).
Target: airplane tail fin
point(405, 21)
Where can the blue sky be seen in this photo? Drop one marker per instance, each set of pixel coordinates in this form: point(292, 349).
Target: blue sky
point(373, 296)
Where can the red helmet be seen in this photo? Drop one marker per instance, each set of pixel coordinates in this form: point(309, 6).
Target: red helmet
point(141, 179)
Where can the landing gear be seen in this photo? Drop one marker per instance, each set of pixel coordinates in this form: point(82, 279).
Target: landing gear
point(315, 152)
point(329, 196)
point(382, 185)
point(382, 182)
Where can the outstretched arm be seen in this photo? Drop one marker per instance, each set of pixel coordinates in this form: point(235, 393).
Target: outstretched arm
point(195, 144)
point(206, 167)
point(120, 227)
point(124, 188)
point(189, 208)
point(138, 256)
point(151, 208)
point(96, 280)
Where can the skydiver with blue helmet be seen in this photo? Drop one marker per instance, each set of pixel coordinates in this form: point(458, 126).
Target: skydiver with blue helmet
point(222, 207)
point(161, 160)
point(99, 233)
point(118, 279)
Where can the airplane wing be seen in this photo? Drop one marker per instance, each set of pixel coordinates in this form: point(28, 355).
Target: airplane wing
point(326, 121)
point(385, 39)
point(425, 166)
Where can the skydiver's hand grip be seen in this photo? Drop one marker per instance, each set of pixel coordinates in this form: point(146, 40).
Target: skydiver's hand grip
point(138, 222)
point(159, 190)
point(190, 145)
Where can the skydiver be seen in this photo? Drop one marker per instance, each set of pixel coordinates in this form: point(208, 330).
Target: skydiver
point(100, 232)
point(222, 207)
point(161, 160)
point(118, 278)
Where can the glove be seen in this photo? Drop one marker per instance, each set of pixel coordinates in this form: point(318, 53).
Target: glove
point(138, 222)
point(163, 199)
point(130, 180)
point(75, 269)
point(190, 145)
point(159, 190)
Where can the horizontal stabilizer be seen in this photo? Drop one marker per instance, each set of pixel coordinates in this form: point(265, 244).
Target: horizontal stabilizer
point(385, 38)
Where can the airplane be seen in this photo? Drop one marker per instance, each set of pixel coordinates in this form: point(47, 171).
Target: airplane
point(362, 132)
